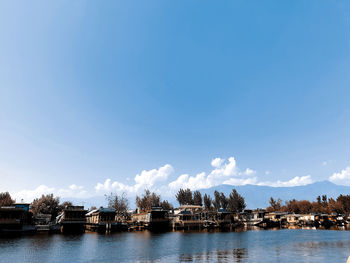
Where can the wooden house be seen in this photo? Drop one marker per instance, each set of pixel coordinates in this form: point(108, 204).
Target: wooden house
point(72, 219)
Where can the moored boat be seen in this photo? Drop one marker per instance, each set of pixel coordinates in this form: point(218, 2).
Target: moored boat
point(72, 219)
point(16, 219)
point(104, 220)
point(156, 219)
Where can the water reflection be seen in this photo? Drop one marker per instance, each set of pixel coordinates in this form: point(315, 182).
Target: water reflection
point(247, 246)
point(234, 255)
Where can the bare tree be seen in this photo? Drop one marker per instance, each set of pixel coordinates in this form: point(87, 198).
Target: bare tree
point(119, 202)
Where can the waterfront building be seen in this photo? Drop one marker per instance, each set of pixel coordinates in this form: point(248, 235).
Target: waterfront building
point(252, 217)
point(72, 219)
point(16, 219)
point(189, 217)
point(104, 220)
point(293, 219)
point(155, 219)
point(225, 219)
point(42, 222)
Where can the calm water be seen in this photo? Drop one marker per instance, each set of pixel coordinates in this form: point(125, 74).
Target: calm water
point(251, 246)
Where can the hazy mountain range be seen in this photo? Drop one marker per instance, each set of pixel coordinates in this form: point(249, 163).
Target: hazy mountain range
point(255, 196)
point(258, 196)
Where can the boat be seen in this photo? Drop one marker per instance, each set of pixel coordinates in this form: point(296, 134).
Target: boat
point(71, 220)
point(156, 219)
point(16, 219)
point(104, 220)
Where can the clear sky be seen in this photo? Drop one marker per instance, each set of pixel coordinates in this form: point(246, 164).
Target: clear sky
point(149, 93)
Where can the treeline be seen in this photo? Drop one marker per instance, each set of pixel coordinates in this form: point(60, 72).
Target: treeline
point(46, 204)
point(323, 204)
point(49, 204)
point(234, 202)
point(149, 200)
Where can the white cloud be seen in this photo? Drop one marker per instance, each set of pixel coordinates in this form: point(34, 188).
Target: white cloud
point(241, 181)
point(29, 195)
point(224, 173)
point(193, 182)
point(108, 186)
point(71, 191)
point(296, 181)
point(229, 173)
point(157, 180)
point(341, 178)
point(145, 180)
point(217, 162)
point(149, 178)
point(249, 171)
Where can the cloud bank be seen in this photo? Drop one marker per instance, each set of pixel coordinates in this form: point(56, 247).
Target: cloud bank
point(71, 191)
point(164, 181)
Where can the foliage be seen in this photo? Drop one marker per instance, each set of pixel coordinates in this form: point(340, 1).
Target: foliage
point(184, 197)
point(236, 202)
point(66, 203)
point(207, 202)
point(223, 201)
point(197, 198)
point(147, 200)
point(166, 205)
point(217, 200)
point(5, 199)
point(46, 204)
point(275, 205)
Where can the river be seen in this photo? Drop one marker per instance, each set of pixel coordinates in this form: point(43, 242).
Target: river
point(247, 246)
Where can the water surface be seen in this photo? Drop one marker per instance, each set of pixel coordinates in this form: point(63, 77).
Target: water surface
point(249, 246)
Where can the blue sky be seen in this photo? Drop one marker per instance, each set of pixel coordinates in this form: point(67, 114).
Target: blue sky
point(93, 90)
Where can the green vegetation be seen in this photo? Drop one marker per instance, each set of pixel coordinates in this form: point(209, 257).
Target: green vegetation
point(234, 203)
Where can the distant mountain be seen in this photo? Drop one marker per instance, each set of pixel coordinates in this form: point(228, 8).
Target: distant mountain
point(258, 196)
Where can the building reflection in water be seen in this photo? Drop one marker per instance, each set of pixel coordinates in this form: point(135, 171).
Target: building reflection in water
point(235, 255)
